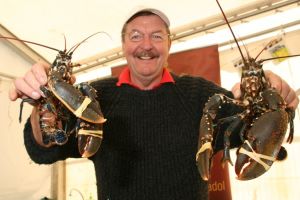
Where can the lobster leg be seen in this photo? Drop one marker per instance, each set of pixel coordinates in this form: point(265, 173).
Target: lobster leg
point(28, 100)
point(291, 114)
point(226, 154)
point(235, 122)
point(50, 126)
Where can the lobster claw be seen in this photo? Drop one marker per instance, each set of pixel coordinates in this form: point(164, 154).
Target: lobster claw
point(249, 164)
point(89, 140)
point(203, 160)
point(205, 150)
point(82, 106)
point(259, 151)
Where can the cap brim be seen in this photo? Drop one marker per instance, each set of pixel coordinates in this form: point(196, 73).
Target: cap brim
point(151, 10)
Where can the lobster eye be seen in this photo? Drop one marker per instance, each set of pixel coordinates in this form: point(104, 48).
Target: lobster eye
point(253, 73)
point(249, 73)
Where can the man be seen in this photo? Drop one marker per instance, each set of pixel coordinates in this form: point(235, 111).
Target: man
point(151, 133)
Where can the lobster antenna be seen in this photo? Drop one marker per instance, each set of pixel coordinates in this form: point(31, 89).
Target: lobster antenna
point(245, 47)
point(263, 60)
point(12, 38)
point(65, 42)
point(231, 31)
point(77, 45)
point(263, 50)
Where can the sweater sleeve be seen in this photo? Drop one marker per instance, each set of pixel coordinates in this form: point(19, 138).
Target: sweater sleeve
point(43, 155)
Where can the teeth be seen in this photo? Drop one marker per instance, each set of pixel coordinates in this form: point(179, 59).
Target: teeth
point(145, 57)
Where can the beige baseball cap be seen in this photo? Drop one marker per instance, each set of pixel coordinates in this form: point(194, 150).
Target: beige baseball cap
point(151, 10)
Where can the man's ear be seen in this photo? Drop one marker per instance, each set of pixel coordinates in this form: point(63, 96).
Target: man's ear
point(169, 43)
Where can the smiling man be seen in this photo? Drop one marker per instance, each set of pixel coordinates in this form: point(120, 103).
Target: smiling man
point(146, 44)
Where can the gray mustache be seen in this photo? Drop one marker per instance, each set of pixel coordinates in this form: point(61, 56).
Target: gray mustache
point(146, 54)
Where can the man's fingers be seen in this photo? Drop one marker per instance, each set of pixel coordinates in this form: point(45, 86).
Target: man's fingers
point(286, 92)
point(29, 85)
point(236, 91)
point(292, 99)
point(13, 94)
point(32, 82)
point(39, 70)
point(26, 89)
point(73, 79)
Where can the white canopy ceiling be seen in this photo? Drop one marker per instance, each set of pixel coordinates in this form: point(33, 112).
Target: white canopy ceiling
point(47, 21)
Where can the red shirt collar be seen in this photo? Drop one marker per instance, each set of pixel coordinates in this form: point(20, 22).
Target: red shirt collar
point(124, 78)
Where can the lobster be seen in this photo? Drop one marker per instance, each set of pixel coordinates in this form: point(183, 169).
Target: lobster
point(262, 123)
point(62, 100)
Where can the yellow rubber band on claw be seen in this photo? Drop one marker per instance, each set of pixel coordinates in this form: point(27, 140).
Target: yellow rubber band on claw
point(82, 107)
point(204, 147)
point(256, 156)
point(96, 133)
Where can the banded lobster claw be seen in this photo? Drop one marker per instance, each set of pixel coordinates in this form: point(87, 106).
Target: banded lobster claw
point(89, 138)
point(203, 159)
point(90, 134)
point(263, 145)
point(206, 132)
point(80, 104)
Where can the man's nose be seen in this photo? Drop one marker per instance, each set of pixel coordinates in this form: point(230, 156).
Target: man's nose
point(147, 43)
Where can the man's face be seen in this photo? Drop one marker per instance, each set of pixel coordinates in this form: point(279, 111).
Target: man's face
point(146, 46)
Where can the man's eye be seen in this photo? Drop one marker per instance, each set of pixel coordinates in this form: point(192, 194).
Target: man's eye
point(136, 37)
point(157, 37)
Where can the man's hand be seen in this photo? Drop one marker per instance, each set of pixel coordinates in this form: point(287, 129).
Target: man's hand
point(29, 84)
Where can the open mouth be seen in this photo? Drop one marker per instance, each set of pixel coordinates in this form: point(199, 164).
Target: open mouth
point(146, 55)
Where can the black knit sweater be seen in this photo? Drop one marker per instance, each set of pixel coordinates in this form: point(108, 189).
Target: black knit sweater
point(149, 142)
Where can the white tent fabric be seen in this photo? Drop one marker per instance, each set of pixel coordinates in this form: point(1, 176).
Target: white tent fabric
point(20, 177)
point(47, 21)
